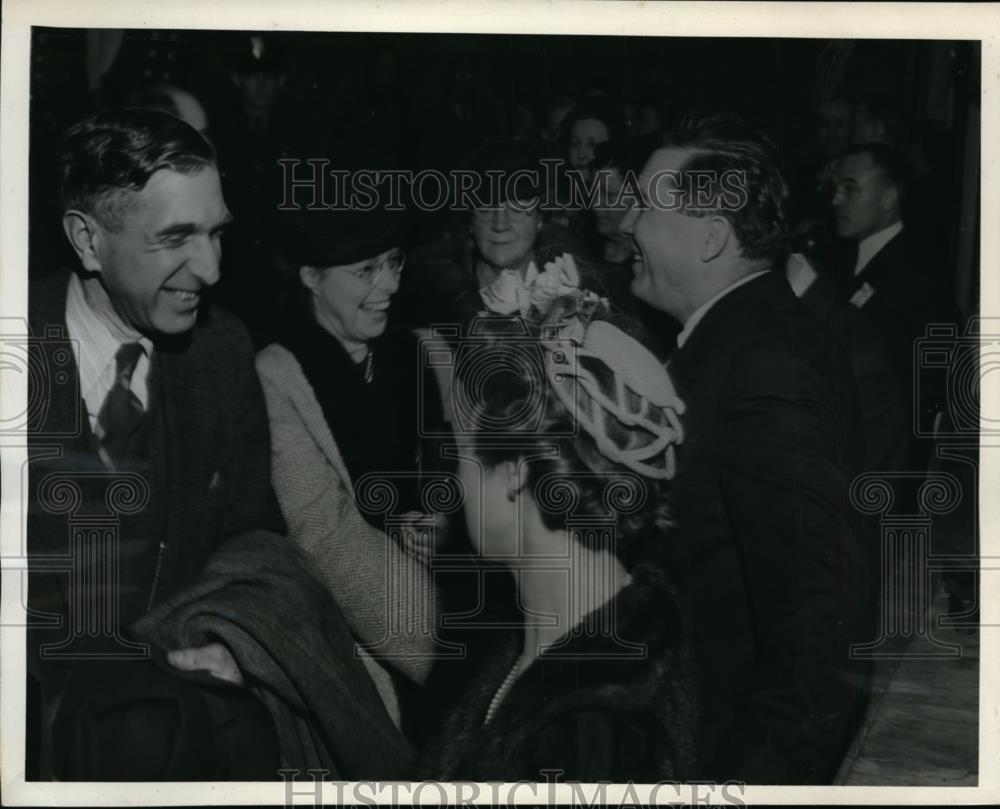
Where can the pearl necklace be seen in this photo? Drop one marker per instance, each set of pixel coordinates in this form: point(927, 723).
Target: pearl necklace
point(501, 692)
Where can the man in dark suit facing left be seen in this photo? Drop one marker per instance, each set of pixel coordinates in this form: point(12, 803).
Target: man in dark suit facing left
point(774, 575)
point(150, 450)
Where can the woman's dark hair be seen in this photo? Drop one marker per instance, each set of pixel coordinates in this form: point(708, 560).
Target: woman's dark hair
point(626, 155)
point(515, 414)
point(607, 110)
point(724, 145)
point(116, 151)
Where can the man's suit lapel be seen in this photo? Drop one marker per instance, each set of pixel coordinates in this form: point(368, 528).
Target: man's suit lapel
point(173, 448)
point(881, 264)
point(57, 412)
point(843, 259)
point(717, 326)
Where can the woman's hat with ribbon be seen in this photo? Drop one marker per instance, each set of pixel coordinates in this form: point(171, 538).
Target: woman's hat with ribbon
point(615, 387)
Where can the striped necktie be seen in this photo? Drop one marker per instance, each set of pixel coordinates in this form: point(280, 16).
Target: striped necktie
point(122, 412)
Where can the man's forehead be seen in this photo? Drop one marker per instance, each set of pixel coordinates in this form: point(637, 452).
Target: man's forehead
point(663, 161)
point(169, 180)
point(858, 166)
point(190, 109)
point(168, 189)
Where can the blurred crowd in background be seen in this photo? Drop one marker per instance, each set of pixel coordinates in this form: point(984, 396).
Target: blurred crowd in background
point(408, 101)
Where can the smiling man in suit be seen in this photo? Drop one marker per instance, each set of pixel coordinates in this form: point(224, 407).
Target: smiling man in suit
point(150, 450)
point(776, 580)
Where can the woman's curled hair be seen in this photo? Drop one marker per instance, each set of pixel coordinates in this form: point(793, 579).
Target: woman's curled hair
point(512, 410)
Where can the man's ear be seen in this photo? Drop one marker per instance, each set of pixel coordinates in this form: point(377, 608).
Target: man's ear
point(310, 277)
point(718, 231)
point(86, 236)
point(890, 198)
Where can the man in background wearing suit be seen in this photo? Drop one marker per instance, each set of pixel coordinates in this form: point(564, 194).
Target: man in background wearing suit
point(154, 425)
point(776, 581)
point(884, 271)
point(883, 404)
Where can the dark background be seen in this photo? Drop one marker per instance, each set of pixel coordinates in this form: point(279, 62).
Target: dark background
point(390, 94)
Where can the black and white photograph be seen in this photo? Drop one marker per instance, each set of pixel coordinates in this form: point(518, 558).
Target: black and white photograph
point(477, 403)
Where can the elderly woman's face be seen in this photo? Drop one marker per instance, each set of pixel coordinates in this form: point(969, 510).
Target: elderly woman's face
point(505, 235)
point(351, 301)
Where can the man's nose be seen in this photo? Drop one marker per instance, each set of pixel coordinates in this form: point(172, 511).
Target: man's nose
point(838, 197)
point(625, 226)
point(204, 261)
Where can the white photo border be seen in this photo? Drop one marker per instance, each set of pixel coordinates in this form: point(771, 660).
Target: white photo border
point(937, 21)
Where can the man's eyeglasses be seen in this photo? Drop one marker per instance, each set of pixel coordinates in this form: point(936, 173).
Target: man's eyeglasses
point(517, 210)
point(370, 271)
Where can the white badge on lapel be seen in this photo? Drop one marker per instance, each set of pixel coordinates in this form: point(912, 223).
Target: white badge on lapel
point(861, 297)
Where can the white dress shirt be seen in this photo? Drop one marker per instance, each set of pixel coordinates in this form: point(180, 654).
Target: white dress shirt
point(701, 311)
point(97, 332)
point(869, 246)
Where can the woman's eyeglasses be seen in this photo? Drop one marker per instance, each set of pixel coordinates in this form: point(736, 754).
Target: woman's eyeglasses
point(371, 271)
point(517, 210)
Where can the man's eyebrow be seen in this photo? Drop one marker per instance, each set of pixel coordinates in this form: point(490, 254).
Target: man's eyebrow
point(187, 228)
point(227, 220)
point(180, 229)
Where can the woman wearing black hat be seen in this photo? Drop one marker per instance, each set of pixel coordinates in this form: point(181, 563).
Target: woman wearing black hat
point(343, 397)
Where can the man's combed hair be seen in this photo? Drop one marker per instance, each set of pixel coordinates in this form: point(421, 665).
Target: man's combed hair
point(887, 159)
point(117, 151)
point(723, 144)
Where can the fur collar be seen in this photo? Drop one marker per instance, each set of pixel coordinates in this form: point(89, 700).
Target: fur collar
point(577, 701)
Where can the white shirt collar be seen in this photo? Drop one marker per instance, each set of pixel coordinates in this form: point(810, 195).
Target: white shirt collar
point(869, 246)
point(701, 311)
point(96, 336)
point(801, 274)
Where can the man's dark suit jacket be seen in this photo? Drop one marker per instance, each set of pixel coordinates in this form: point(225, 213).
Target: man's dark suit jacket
point(883, 406)
point(208, 471)
point(908, 295)
point(777, 577)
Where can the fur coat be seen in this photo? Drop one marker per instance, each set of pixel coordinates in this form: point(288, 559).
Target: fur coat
point(600, 706)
